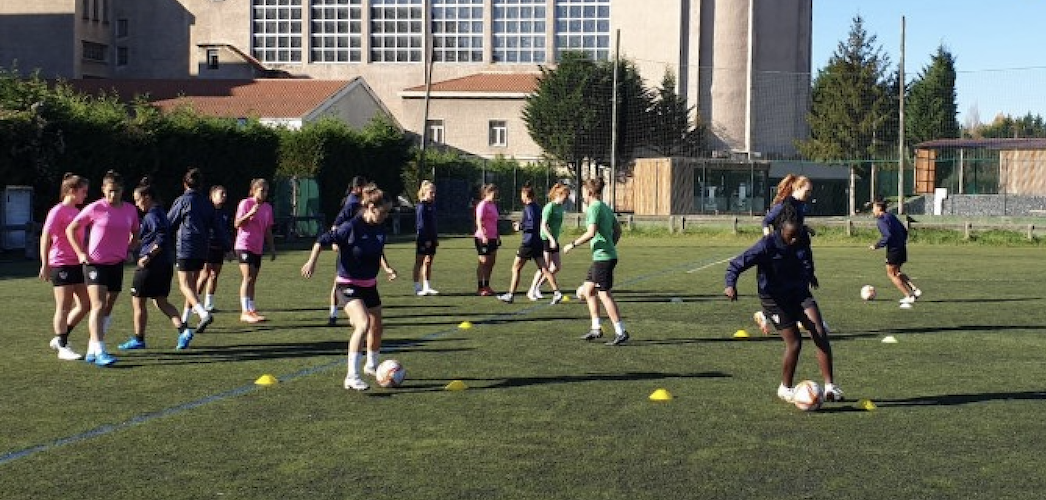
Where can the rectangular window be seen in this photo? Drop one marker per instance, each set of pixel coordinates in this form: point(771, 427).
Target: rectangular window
point(121, 28)
point(94, 52)
point(396, 30)
point(85, 8)
point(276, 30)
point(498, 133)
point(337, 31)
point(519, 31)
point(94, 10)
point(121, 56)
point(583, 25)
point(457, 30)
point(212, 58)
point(437, 132)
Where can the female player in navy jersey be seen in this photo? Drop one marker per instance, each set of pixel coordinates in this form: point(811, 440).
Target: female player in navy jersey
point(785, 276)
point(427, 239)
point(530, 248)
point(361, 253)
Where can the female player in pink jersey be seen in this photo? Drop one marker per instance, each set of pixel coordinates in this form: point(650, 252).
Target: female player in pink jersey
point(253, 224)
point(114, 230)
point(61, 266)
point(486, 238)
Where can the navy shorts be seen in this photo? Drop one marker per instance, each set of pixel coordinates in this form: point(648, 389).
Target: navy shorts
point(546, 246)
point(896, 256)
point(368, 294)
point(602, 274)
point(785, 311)
point(67, 275)
point(421, 249)
point(215, 256)
point(527, 252)
point(152, 281)
point(190, 265)
point(107, 275)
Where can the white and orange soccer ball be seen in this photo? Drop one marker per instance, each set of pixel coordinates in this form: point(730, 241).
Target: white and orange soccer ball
point(808, 395)
point(390, 373)
point(868, 292)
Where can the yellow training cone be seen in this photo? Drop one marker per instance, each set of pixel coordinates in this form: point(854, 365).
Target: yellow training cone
point(266, 380)
point(566, 298)
point(740, 334)
point(866, 404)
point(465, 325)
point(456, 385)
point(661, 395)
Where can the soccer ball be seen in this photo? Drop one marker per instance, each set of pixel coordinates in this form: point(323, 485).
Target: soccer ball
point(808, 395)
point(390, 373)
point(868, 292)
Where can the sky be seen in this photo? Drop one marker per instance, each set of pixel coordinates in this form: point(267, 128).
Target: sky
point(998, 45)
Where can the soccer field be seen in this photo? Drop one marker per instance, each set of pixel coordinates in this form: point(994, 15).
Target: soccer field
point(959, 397)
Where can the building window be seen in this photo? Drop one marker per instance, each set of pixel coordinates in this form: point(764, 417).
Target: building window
point(94, 10)
point(105, 11)
point(121, 56)
point(498, 133)
point(519, 31)
point(212, 58)
point(396, 30)
point(276, 30)
point(121, 28)
point(337, 31)
point(437, 132)
point(85, 8)
point(93, 51)
point(457, 30)
point(583, 25)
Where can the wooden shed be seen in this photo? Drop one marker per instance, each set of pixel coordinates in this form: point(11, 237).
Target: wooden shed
point(674, 186)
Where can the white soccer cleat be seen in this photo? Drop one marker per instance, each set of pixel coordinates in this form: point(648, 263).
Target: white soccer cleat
point(430, 291)
point(832, 392)
point(356, 384)
point(906, 305)
point(908, 300)
point(370, 370)
point(787, 394)
point(67, 354)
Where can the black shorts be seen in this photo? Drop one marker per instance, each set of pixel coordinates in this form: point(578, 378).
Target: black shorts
point(215, 256)
point(602, 274)
point(67, 275)
point(785, 311)
point(490, 248)
point(421, 249)
point(190, 265)
point(546, 246)
point(368, 294)
point(107, 275)
point(527, 252)
point(896, 256)
point(250, 258)
point(152, 281)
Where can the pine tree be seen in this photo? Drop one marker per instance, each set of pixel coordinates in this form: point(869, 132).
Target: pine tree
point(931, 110)
point(676, 129)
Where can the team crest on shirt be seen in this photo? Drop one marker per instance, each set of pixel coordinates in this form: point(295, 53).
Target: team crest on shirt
point(93, 275)
point(381, 238)
point(245, 256)
point(776, 318)
point(63, 274)
point(348, 292)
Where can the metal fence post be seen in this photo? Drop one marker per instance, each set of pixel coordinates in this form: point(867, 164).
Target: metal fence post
point(966, 230)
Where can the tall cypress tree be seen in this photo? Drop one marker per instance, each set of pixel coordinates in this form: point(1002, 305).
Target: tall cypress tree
point(931, 110)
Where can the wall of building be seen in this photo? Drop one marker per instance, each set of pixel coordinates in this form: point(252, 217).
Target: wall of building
point(466, 123)
point(39, 35)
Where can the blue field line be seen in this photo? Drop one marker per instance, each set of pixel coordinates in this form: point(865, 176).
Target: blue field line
point(239, 391)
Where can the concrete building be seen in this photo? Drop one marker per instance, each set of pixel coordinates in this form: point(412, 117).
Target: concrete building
point(744, 63)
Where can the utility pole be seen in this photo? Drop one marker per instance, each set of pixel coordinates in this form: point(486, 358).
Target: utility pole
point(900, 130)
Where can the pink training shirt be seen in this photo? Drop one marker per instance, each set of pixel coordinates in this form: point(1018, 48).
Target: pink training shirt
point(251, 235)
point(58, 218)
point(487, 213)
point(111, 230)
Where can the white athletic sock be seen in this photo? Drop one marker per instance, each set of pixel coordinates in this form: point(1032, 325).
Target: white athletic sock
point(245, 304)
point(92, 347)
point(354, 364)
point(334, 311)
point(427, 285)
point(200, 311)
point(596, 324)
point(372, 359)
point(619, 327)
point(208, 301)
point(250, 304)
point(101, 347)
point(186, 313)
point(106, 323)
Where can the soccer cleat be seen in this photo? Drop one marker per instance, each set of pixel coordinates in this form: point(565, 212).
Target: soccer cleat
point(356, 384)
point(619, 339)
point(506, 298)
point(787, 394)
point(131, 344)
point(429, 291)
point(908, 300)
point(184, 338)
point(531, 296)
point(592, 334)
point(89, 358)
point(487, 292)
point(104, 359)
point(259, 317)
point(332, 321)
point(67, 354)
point(370, 370)
point(906, 305)
point(249, 317)
point(832, 392)
point(557, 297)
point(538, 295)
point(53, 344)
point(204, 323)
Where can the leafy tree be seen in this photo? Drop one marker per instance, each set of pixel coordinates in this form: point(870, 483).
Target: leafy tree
point(1008, 127)
point(676, 129)
point(931, 110)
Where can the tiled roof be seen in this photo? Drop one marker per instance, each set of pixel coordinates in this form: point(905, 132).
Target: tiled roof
point(999, 143)
point(512, 83)
point(277, 98)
